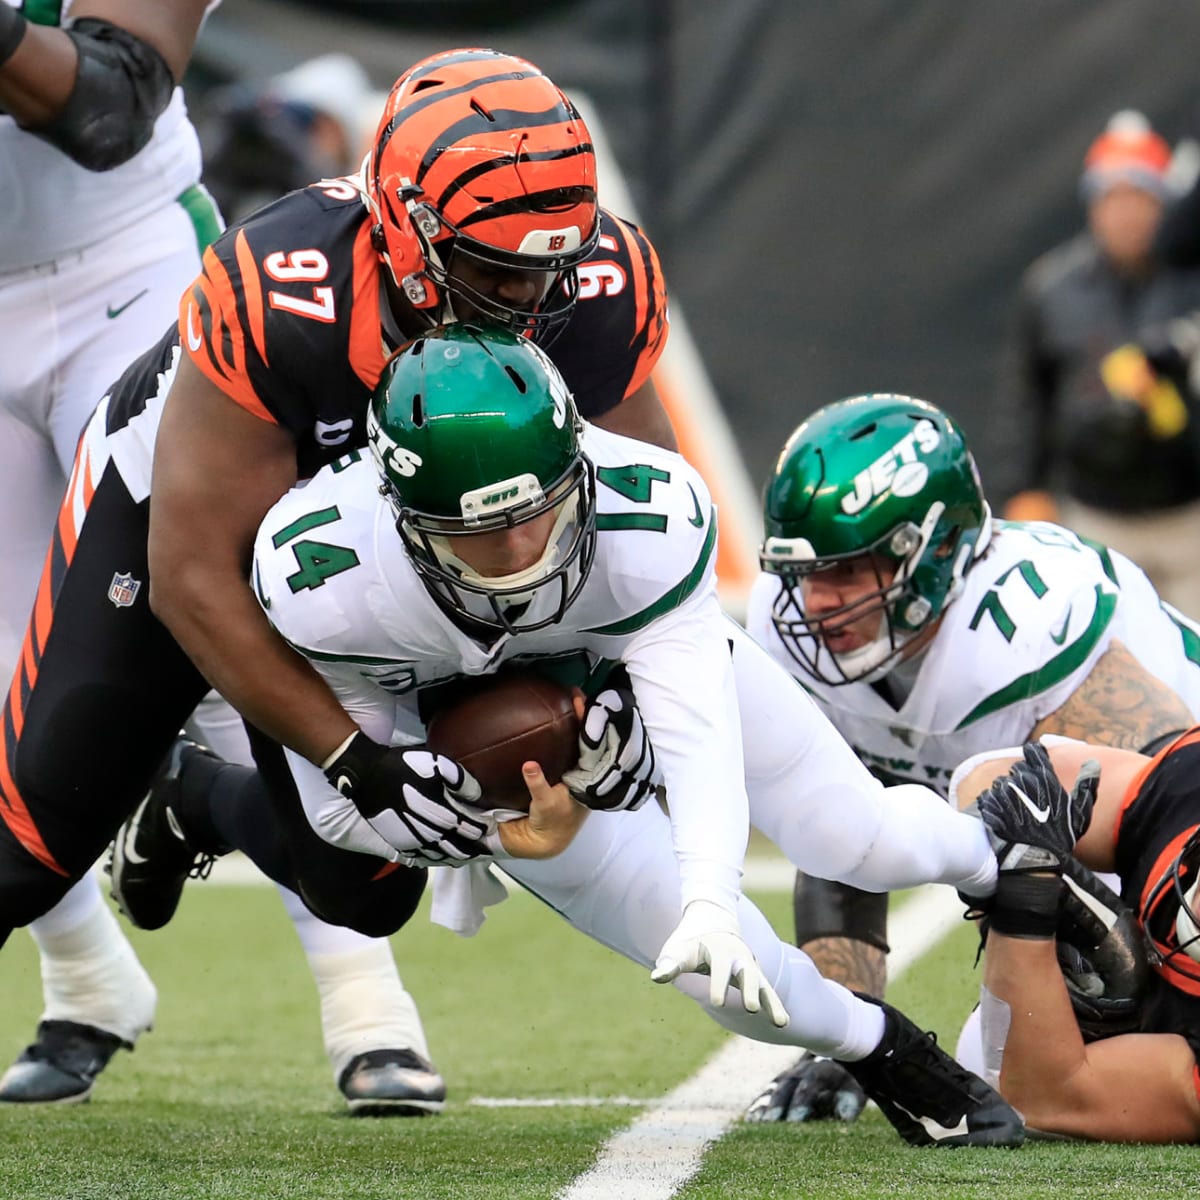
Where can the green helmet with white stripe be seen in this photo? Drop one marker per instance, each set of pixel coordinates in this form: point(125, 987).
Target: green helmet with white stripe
point(885, 478)
point(473, 430)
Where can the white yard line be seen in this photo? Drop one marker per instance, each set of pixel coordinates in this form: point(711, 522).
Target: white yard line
point(661, 1150)
point(763, 874)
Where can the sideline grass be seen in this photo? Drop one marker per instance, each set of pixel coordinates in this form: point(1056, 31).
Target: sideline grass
point(231, 1096)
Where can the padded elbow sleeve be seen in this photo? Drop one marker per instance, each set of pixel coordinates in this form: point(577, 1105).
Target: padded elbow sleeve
point(823, 908)
point(121, 86)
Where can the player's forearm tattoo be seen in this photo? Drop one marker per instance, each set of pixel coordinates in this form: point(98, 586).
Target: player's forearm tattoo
point(1119, 704)
point(855, 964)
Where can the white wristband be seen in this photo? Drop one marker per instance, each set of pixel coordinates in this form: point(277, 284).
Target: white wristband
point(339, 751)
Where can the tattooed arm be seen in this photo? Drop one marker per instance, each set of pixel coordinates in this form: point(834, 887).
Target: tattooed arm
point(1119, 704)
point(861, 967)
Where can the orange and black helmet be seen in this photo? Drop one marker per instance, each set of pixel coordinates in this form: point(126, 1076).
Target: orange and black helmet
point(478, 154)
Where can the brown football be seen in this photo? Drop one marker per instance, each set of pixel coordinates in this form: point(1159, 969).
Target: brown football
point(502, 722)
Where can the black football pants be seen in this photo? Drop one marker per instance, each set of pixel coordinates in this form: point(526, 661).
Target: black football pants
point(99, 695)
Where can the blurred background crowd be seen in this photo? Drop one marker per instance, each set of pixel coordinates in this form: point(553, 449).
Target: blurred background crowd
point(959, 203)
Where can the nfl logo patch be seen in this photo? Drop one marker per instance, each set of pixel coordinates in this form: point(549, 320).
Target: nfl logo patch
point(123, 590)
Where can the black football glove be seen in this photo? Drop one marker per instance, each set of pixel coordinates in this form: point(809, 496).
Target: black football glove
point(616, 768)
point(1102, 953)
point(1098, 1013)
point(419, 802)
point(1028, 808)
point(813, 1089)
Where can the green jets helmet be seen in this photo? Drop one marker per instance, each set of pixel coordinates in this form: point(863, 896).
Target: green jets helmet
point(877, 479)
point(473, 431)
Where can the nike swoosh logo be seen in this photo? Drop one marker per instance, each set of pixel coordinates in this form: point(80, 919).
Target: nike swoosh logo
point(195, 340)
point(127, 848)
point(116, 312)
point(935, 1128)
point(131, 855)
point(698, 519)
point(1061, 636)
point(1039, 814)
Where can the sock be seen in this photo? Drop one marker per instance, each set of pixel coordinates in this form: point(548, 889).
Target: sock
point(206, 802)
point(364, 1005)
point(866, 1029)
point(90, 973)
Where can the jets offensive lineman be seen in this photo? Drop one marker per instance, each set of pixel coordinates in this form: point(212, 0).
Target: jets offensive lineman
point(928, 632)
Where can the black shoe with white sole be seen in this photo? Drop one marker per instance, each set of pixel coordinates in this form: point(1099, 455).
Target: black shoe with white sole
point(927, 1096)
point(151, 858)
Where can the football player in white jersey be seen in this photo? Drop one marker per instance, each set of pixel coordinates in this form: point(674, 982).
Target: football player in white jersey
point(929, 632)
point(106, 221)
point(507, 531)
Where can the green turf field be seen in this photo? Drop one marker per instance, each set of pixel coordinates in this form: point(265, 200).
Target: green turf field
point(231, 1096)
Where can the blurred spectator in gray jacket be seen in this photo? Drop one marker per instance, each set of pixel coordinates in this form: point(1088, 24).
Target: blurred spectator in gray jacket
point(1093, 435)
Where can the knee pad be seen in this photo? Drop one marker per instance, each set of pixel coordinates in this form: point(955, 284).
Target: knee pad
point(825, 908)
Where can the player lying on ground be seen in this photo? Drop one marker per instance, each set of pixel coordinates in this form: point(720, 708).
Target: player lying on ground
point(1117, 811)
point(927, 632)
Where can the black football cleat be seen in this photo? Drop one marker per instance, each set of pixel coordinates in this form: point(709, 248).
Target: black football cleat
point(927, 1096)
point(61, 1066)
point(151, 858)
point(392, 1083)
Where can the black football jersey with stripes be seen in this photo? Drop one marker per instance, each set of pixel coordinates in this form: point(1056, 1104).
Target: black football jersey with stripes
point(285, 318)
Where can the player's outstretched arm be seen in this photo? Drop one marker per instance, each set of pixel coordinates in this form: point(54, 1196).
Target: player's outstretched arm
point(1117, 769)
point(217, 470)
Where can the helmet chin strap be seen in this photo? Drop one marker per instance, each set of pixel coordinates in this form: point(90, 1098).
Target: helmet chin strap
point(873, 661)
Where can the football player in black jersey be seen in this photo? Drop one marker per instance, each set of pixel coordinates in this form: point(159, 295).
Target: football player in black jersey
point(478, 198)
point(1141, 820)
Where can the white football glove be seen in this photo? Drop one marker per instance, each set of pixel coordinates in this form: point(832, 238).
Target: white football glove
point(707, 940)
point(616, 769)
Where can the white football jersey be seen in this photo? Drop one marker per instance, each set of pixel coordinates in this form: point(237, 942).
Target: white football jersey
point(334, 578)
point(1036, 613)
point(59, 206)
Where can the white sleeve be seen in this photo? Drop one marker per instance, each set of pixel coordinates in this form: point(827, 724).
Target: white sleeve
point(333, 816)
point(681, 669)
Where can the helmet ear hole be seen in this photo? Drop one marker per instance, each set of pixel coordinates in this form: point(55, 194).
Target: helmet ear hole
point(948, 545)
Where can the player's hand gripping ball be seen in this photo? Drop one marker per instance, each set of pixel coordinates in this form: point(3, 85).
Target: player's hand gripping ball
point(512, 718)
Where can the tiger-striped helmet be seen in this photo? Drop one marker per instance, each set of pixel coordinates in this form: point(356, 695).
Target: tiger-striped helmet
point(478, 154)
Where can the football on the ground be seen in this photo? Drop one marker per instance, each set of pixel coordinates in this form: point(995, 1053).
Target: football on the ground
point(504, 721)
